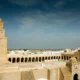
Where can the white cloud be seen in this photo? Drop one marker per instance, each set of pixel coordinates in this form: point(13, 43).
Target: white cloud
point(43, 20)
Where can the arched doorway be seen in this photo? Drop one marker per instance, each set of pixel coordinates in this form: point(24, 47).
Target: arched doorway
point(45, 58)
point(62, 57)
point(29, 60)
point(51, 57)
point(22, 59)
point(58, 57)
point(42, 58)
point(13, 60)
point(33, 59)
point(67, 57)
point(54, 57)
point(39, 59)
point(26, 59)
point(75, 77)
point(18, 59)
point(9, 59)
point(36, 59)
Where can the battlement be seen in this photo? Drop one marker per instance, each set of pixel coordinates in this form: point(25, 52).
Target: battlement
point(1, 24)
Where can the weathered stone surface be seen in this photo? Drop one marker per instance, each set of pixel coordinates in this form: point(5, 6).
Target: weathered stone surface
point(27, 75)
point(10, 76)
point(3, 42)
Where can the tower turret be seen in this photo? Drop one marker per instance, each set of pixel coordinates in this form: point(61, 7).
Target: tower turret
point(1, 24)
point(3, 42)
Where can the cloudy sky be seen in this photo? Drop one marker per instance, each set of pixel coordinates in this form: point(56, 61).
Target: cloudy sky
point(37, 24)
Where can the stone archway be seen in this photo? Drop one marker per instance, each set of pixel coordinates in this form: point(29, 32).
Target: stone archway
point(45, 58)
point(13, 60)
point(33, 59)
point(42, 58)
point(58, 57)
point(67, 57)
point(36, 59)
point(54, 57)
point(26, 59)
point(22, 59)
point(18, 59)
point(9, 59)
point(39, 59)
point(75, 77)
point(62, 57)
point(51, 57)
point(29, 60)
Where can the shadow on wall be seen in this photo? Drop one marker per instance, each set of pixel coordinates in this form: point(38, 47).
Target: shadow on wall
point(75, 77)
point(27, 75)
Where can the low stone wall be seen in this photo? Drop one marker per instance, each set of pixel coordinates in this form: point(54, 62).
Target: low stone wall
point(32, 74)
point(40, 73)
point(10, 76)
point(27, 75)
point(54, 74)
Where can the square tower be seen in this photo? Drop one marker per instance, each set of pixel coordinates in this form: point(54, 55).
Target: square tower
point(3, 42)
point(76, 70)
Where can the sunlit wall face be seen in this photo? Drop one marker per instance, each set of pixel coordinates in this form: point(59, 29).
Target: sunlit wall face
point(42, 79)
point(41, 23)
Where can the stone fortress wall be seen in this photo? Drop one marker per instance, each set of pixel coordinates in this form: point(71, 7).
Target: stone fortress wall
point(36, 58)
point(25, 58)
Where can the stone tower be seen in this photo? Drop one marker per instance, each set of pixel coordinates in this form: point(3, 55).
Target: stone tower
point(76, 70)
point(3, 42)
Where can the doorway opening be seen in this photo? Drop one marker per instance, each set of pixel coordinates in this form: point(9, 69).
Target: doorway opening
point(75, 77)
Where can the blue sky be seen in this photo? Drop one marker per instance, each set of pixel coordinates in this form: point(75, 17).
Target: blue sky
point(38, 24)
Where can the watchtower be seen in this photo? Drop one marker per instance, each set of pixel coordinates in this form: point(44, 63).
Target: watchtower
point(3, 42)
